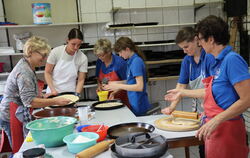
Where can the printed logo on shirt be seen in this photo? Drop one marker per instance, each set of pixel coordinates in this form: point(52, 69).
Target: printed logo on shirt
point(217, 73)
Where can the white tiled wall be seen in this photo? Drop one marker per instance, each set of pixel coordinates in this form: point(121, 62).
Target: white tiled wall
point(95, 10)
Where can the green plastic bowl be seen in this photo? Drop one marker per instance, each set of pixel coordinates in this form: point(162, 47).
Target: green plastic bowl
point(51, 131)
point(77, 147)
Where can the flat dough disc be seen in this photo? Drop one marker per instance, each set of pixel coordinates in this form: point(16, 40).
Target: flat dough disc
point(108, 105)
point(177, 124)
point(71, 97)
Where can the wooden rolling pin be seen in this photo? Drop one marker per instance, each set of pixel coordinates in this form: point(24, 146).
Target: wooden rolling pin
point(185, 114)
point(95, 150)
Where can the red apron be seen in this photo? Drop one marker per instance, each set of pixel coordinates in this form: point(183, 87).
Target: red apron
point(228, 140)
point(112, 76)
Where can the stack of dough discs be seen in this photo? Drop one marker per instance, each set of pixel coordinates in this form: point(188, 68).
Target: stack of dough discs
point(177, 124)
point(71, 97)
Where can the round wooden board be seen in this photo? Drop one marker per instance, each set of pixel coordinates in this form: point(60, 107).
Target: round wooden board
point(165, 123)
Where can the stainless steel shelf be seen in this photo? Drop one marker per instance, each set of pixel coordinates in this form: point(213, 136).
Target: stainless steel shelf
point(151, 26)
point(49, 25)
point(163, 78)
point(163, 61)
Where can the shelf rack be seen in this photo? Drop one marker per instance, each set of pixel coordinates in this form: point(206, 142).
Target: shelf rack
point(151, 26)
point(49, 25)
point(163, 61)
point(116, 9)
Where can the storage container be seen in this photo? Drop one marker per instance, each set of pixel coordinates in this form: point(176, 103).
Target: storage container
point(41, 13)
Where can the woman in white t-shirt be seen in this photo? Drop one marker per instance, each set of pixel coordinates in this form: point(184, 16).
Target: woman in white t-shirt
point(66, 66)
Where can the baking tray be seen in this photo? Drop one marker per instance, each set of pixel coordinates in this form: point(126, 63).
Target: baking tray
point(127, 128)
point(107, 108)
point(146, 24)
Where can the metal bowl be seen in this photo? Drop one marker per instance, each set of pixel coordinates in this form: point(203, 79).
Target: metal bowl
point(55, 112)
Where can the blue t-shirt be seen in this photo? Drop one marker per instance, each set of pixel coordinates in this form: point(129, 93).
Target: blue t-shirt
point(138, 100)
point(205, 62)
point(229, 69)
point(118, 65)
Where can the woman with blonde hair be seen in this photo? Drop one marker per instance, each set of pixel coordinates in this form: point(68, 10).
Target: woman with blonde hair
point(110, 67)
point(21, 87)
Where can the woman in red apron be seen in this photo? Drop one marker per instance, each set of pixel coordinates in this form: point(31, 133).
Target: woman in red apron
point(226, 94)
point(110, 67)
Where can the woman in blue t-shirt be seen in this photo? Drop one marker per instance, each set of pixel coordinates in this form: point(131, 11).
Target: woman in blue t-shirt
point(135, 85)
point(193, 68)
point(226, 93)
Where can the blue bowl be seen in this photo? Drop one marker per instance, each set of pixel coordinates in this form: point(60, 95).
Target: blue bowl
point(77, 147)
point(50, 131)
point(79, 128)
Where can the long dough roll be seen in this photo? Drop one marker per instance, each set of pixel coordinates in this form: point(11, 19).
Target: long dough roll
point(185, 114)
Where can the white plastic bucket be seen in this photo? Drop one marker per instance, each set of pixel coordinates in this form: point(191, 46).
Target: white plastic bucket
point(41, 13)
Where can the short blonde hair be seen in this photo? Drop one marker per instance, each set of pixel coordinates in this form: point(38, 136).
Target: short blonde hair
point(36, 44)
point(102, 46)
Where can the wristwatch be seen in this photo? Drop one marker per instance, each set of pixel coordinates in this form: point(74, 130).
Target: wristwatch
point(78, 94)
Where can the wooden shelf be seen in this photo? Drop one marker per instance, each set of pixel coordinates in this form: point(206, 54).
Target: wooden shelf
point(169, 6)
point(151, 26)
point(49, 25)
point(3, 74)
point(163, 78)
point(155, 45)
point(163, 61)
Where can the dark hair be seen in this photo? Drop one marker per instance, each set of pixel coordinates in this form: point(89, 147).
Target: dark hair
point(185, 34)
point(216, 27)
point(124, 42)
point(75, 33)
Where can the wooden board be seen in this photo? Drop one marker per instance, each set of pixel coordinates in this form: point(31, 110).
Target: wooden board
point(177, 124)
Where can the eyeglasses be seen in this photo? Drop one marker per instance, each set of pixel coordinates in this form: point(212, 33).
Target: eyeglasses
point(101, 55)
point(42, 54)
